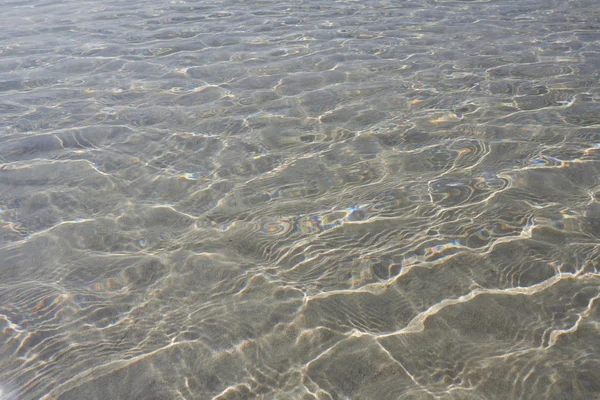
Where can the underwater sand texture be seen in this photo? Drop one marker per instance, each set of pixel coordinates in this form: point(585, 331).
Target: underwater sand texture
point(313, 200)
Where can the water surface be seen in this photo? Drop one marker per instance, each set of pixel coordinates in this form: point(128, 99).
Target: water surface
point(300, 199)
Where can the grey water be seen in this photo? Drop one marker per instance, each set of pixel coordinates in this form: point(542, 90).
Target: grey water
point(318, 199)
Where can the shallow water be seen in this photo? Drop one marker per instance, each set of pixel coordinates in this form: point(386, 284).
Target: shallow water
point(300, 200)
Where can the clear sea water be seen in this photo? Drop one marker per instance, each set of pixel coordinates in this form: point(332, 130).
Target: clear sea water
point(319, 199)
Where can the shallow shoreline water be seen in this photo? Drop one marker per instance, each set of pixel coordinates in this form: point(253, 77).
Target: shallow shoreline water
point(300, 200)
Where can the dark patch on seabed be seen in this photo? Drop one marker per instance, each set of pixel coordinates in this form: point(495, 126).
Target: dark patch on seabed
point(378, 199)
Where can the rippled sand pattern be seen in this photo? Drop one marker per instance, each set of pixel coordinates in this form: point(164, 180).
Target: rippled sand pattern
point(300, 200)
